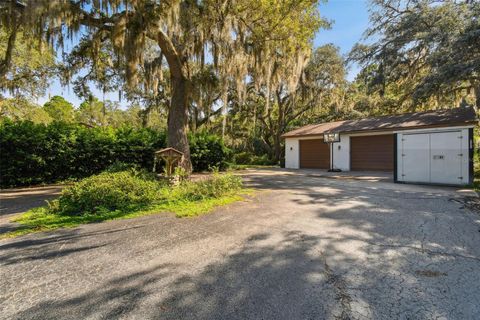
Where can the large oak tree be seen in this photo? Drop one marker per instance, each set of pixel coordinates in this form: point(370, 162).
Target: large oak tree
point(237, 36)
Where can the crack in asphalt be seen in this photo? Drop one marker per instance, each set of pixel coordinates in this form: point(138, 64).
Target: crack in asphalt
point(427, 251)
point(341, 293)
point(424, 235)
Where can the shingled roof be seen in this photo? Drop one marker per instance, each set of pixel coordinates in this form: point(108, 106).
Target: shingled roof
point(433, 118)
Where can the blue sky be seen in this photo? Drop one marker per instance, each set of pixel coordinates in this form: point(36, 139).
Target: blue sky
point(350, 19)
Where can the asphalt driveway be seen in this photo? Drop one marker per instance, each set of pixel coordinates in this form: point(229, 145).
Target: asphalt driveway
point(305, 247)
point(13, 202)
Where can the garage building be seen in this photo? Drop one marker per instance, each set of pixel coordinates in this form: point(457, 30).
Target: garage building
point(423, 147)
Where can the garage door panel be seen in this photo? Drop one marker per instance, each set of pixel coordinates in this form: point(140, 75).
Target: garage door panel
point(314, 154)
point(416, 157)
point(372, 153)
point(445, 157)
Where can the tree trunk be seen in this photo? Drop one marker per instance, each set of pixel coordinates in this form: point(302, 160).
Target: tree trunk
point(277, 141)
point(7, 61)
point(178, 120)
point(277, 146)
point(224, 112)
point(280, 125)
point(178, 113)
point(477, 95)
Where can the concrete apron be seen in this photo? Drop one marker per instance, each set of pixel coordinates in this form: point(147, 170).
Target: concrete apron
point(385, 179)
point(322, 173)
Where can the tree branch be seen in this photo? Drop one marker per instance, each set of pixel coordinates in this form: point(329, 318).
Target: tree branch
point(7, 61)
point(171, 54)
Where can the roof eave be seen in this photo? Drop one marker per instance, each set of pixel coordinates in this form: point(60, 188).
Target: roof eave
point(457, 124)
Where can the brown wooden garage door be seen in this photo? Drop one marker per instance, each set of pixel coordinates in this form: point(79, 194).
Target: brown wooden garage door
point(372, 153)
point(314, 154)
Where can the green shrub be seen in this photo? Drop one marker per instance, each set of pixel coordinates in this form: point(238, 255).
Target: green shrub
point(22, 155)
point(214, 187)
point(138, 145)
point(262, 160)
point(132, 189)
point(242, 158)
point(248, 158)
point(107, 191)
point(118, 166)
point(208, 152)
point(36, 153)
point(128, 194)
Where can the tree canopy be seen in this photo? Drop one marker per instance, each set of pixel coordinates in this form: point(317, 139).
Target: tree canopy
point(239, 37)
point(26, 68)
point(59, 109)
point(21, 108)
point(423, 52)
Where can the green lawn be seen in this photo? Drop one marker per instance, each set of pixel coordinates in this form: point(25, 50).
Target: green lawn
point(234, 167)
point(39, 219)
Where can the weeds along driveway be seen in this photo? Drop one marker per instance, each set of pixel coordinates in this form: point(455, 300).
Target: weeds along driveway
point(303, 248)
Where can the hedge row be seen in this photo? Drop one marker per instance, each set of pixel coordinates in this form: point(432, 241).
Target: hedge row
point(208, 152)
point(32, 154)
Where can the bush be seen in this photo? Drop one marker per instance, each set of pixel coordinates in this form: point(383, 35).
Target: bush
point(248, 158)
point(242, 158)
point(36, 153)
point(107, 191)
point(118, 166)
point(131, 189)
point(262, 160)
point(22, 147)
point(127, 194)
point(214, 187)
point(208, 152)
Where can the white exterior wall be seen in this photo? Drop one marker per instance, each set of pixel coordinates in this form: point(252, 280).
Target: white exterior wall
point(341, 153)
point(341, 157)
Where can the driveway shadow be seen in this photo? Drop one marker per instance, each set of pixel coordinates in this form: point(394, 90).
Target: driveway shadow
point(351, 251)
point(394, 242)
point(273, 276)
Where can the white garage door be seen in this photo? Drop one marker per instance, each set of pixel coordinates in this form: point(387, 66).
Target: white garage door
point(446, 157)
point(432, 157)
point(416, 157)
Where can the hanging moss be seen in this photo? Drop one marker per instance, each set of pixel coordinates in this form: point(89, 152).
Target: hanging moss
point(267, 43)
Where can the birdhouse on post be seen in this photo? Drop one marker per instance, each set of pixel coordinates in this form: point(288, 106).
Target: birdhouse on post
point(171, 156)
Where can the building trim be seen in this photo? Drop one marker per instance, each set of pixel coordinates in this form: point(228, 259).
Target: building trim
point(387, 130)
point(395, 160)
point(471, 144)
